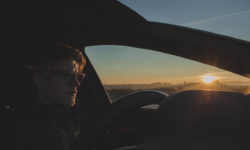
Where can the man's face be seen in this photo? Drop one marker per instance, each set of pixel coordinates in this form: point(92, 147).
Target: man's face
point(59, 88)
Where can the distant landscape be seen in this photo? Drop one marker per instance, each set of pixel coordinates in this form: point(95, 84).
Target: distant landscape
point(117, 91)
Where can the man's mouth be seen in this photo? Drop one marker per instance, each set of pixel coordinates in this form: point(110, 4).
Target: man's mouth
point(73, 92)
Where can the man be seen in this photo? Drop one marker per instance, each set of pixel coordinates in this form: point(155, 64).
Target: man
point(50, 123)
point(58, 75)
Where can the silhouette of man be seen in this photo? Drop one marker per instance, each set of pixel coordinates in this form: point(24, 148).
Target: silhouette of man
point(50, 122)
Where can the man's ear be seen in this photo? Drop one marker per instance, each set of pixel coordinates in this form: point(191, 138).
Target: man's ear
point(39, 80)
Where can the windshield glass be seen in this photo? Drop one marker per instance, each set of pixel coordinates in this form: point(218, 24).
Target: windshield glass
point(226, 17)
point(124, 69)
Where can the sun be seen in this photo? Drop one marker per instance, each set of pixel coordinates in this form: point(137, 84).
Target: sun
point(208, 79)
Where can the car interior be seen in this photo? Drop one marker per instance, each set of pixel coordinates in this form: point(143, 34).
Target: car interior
point(193, 119)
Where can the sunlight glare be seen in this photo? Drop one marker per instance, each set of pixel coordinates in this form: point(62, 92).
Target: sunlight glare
point(208, 79)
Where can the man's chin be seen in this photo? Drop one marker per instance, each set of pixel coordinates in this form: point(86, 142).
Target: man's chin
point(69, 102)
point(72, 104)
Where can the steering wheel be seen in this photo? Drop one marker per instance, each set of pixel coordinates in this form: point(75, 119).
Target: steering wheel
point(133, 101)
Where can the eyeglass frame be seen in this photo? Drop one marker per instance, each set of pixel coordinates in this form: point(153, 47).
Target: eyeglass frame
point(72, 77)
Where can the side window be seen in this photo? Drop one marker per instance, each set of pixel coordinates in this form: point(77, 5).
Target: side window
point(124, 69)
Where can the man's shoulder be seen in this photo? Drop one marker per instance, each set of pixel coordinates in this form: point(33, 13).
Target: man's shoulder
point(35, 133)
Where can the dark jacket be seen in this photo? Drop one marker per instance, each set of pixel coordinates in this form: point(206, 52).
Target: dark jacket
point(46, 127)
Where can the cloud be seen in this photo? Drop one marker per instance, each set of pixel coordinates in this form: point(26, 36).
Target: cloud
point(216, 18)
point(116, 67)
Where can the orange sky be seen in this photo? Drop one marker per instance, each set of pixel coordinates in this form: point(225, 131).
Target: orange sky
point(128, 65)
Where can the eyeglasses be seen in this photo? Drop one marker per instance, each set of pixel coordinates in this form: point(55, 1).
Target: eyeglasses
point(70, 77)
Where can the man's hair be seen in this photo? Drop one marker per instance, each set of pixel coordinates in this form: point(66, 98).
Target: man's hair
point(60, 52)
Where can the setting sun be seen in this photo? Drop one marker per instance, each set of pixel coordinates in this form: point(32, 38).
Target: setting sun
point(208, 79)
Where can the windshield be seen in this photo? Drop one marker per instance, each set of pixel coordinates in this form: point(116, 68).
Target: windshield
point(124, 69)
point(226, 17)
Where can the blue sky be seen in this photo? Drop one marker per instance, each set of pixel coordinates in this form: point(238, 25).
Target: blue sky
point(119, 64)
point(227, 17)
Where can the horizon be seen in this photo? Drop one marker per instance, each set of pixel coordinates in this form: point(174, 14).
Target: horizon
point(230, 83)
point(129, 65)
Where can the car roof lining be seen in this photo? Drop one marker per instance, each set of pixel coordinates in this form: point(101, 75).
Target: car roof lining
point(110, 22)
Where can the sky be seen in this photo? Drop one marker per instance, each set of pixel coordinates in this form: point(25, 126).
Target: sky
point(127, 65)
point(227, 17)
